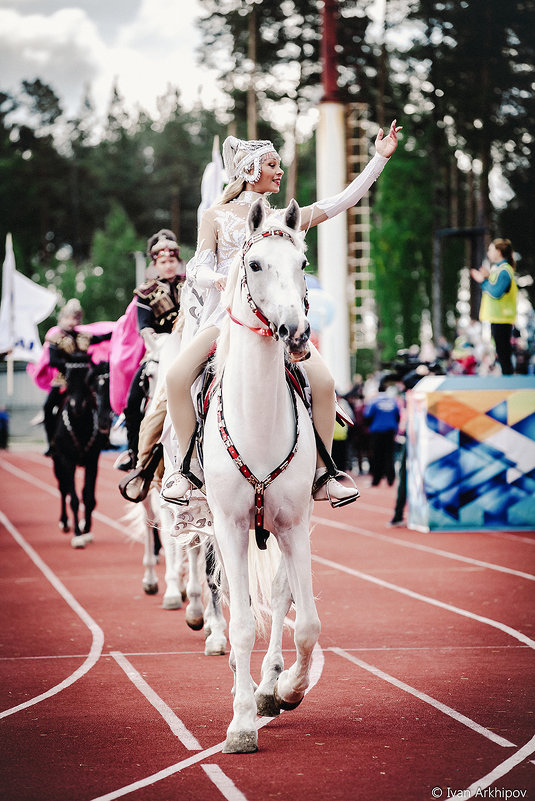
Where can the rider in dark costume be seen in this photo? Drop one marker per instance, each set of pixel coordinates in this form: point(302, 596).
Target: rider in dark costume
point(66, 345)
point(158, 304)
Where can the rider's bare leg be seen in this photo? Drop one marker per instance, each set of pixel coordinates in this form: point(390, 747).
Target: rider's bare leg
point(324, 415)
point(185, 369)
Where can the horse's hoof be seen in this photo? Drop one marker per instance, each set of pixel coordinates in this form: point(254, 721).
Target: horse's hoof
point(242, 742)
point(195, 623)
point(286, 705)
point(215, 646)
point(88, 537)
point(267, 706)
point(150, 589)
point(78, 541)
point(172, 602)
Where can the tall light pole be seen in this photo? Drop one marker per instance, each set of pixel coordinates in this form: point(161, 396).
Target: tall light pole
point(331, 179)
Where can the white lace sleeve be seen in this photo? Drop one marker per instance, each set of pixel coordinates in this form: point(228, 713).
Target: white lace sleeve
point(201, 270)
point(355, 191)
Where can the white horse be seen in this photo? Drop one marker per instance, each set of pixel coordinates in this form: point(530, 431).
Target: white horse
point(189, 567)
point(259, 461)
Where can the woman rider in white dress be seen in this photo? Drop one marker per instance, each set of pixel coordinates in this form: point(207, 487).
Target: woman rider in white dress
point(253, 169)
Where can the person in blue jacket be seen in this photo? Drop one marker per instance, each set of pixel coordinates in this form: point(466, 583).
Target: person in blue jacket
point(382, 417)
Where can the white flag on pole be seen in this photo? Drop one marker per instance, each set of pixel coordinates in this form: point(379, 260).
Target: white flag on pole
point(212, 181)
point(24, 305)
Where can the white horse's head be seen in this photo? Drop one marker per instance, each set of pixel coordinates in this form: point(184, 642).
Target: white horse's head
point(273, 274)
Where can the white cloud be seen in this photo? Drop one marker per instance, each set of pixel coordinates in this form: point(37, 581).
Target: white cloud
point(145, 46)
point(63, 49)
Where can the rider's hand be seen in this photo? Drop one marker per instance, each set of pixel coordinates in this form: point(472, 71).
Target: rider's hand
point(386, 145)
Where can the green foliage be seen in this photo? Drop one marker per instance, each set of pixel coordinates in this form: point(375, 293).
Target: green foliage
point(402, 250)
point(365, 362)
point(78, 202)
point(111, 277)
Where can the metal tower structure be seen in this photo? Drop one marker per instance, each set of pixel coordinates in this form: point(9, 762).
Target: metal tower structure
point(360, 284)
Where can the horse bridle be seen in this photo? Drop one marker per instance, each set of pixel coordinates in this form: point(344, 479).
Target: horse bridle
point(270, 329)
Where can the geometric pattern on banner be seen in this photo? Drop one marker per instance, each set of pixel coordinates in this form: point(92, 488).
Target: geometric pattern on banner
point(481, 447)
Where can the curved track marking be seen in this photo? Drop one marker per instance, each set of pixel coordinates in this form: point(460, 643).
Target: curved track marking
point(476, 789)
point(458, 716)
point(315, 673)
point(96, 632)
point(226, 786)
point(426, 548)
point(173, 721)
point(428, 600)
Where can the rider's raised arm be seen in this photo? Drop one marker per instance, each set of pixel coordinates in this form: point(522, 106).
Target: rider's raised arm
point(329, 207)
point(201, 269)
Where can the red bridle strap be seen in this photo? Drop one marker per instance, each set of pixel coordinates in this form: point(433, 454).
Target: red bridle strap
point(264, 332)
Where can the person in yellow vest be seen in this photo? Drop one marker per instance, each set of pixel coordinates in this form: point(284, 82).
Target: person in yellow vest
point(498, 298)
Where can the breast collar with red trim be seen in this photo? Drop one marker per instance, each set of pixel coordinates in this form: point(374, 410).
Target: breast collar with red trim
point(258, 485)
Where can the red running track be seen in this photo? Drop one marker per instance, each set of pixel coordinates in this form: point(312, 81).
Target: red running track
point(423, 675)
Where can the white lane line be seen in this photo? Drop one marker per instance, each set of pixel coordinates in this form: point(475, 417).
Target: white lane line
point(315, 672)
point(16, 471)
point(172, 769)
point(447, 710)
point(477, 788)
point(505, 535)
point(226, 786)
point(428, 600)
point(426, 548)
point(96, 632)
point(173, 721)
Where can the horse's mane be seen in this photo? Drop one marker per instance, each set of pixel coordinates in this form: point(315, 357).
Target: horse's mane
point(273, 220)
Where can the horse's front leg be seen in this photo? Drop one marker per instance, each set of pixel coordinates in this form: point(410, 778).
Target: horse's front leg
point(273, 663)
point(215, 623)
point(291, 685)
point(64, 518)
point(61, 471)
point(68, 487)
point(150, 579)
point(88, 496)
point(233, 542)
point(195, 609)
point(172, 598)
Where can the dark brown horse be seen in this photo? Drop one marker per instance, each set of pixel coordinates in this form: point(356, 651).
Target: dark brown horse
point(82, 430)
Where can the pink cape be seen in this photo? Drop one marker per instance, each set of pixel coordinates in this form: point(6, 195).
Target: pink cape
point(43, 374)
point(126, 351)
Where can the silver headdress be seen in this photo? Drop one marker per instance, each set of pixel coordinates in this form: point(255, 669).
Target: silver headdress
point(163, 240)
point(243, 159)
point(72, 308)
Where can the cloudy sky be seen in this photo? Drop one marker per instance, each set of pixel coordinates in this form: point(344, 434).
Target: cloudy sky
point(144, 44)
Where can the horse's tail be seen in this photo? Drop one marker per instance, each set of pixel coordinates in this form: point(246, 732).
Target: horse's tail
point(136, 519)
point(263, 566)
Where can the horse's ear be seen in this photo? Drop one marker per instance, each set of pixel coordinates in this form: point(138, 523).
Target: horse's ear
point(292, 216)
point(256, 216)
